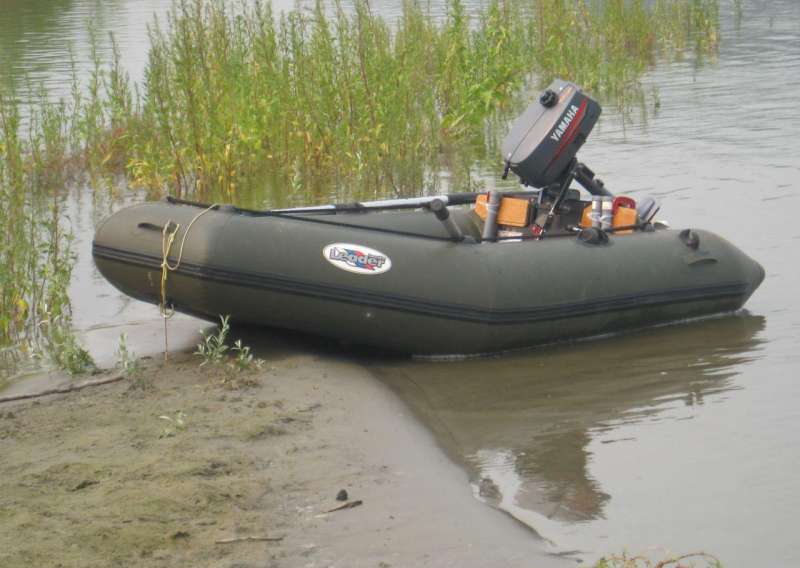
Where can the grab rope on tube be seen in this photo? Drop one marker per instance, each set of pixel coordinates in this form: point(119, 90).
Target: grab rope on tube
point(167, 239)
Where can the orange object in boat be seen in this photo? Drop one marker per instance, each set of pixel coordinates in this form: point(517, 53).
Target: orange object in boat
point(513, 211)
point(586, 218)
point(624, 214)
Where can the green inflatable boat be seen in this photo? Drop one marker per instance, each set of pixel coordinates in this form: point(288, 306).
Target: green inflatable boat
point(444, 275)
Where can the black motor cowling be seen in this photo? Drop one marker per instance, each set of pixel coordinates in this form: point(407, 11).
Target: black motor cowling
point(545, 138)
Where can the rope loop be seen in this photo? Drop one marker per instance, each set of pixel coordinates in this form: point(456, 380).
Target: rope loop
point(167, 240)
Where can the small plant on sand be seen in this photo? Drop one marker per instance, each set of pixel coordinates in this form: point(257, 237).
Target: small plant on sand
point(239, 367)
point(243, 359)
point(175, 424)
point(127, 363)
point(694, 559)
point(237, 360)
point(212, 348)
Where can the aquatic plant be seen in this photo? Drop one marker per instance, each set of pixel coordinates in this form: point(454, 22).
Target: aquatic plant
point(36, 256)
point(65, 352)
point(688, 24)
point(244, 106)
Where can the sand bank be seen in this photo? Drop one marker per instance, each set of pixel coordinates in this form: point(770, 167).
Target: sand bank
point(109, 477)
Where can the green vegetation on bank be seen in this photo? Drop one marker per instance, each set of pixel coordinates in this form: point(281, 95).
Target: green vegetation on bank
point(234, 363)
point(247, 106)
point(36, 258)
point(690, 560)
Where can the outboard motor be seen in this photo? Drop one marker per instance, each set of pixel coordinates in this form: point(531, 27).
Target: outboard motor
point(543, 141)
point(542, 144)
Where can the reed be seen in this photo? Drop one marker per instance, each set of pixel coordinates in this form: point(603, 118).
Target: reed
point(36, 257)
point(241, 103)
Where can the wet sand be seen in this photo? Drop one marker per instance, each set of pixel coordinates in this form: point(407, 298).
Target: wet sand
point(97, 478)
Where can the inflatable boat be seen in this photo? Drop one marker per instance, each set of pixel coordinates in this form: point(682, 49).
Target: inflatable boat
point(446, 274)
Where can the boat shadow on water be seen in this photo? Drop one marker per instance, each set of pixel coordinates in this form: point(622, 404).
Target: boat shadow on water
point(522, 424)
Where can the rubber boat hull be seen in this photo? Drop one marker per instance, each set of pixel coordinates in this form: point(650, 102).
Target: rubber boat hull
point(436, 296)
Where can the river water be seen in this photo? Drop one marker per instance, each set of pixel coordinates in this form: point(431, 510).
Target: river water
point(681, 438)
point(675, 439)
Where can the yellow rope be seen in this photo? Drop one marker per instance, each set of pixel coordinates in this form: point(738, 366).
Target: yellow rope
point(167, 239)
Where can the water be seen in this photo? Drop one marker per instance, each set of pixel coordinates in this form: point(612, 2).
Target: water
point(39, 38)
point(673, 439)
point(681, 438)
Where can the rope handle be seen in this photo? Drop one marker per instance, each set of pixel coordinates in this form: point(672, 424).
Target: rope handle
point(167, 240)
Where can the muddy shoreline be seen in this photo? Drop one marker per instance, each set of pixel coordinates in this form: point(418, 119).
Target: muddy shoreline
point(120, 475)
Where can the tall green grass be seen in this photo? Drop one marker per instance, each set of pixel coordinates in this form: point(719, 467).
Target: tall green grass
point(239, 101)
point(243, 105)
point(36, 256)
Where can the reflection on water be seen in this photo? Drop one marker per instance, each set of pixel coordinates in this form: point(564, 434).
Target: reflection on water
point(38, 38)
point(526, 424)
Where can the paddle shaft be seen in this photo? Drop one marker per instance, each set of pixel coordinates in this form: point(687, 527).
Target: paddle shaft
point(389, 204)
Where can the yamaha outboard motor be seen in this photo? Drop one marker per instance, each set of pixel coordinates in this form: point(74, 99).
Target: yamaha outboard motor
point(543, 141)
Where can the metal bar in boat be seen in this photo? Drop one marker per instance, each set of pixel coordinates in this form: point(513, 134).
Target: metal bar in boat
point(403, 203)
point(411, 202)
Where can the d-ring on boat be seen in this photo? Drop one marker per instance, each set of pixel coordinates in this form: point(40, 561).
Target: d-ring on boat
point(446, 274)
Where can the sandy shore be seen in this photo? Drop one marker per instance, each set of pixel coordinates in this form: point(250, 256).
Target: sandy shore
point(99, 478)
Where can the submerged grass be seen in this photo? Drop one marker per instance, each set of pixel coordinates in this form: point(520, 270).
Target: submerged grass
point(242, 105)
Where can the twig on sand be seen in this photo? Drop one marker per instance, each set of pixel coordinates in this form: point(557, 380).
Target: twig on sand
point(250, 539)
point(348, 505)
point(705, 556)
point(62, 390)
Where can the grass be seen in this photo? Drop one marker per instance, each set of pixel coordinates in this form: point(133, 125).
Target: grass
point(233, 97)
point(36, 256)
point(127, 362)
point(214, 346)
point(235, 363)
point(242, 105)
point(691, 560)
